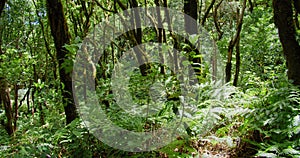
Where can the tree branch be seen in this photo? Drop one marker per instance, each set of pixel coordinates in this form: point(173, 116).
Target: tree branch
point(220, 33)
point(123, 7)
point(99, 5)
point(207, 12)
point(233, 42)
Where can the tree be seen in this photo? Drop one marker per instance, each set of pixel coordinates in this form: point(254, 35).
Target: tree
point(2, 4)
point(283, 18)
point(4, 91)
point(235, 42)
point(61, 36)
point(191, 9)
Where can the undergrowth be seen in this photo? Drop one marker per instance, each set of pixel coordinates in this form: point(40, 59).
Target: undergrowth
point(225, 121)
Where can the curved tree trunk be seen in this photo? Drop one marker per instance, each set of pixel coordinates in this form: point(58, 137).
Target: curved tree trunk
point(283, 18)
point(233, 42)
point(61, 35)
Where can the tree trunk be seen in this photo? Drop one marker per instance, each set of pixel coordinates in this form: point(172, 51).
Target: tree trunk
point(237, 62)
point(191, 8)
point(16, 109)
point(160, 35)
point(5, 99)
point(283, 18)
point(138, 36)
point(233, 42)
point(207, 12)
point(61, 35)
point(2, 4)
point(4, 91)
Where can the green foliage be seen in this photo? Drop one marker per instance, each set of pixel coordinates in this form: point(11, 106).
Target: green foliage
point(179, 148)
point(262, 57)
point(261, 114)
point(15, 68)
point(276, 117)
point(70, 57)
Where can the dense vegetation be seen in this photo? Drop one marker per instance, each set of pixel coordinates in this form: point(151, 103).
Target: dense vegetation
point(229, 91)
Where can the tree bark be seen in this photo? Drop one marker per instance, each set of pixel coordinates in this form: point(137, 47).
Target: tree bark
point(5, 99)
point(207, 12)
point(159, 35)
point(283, 18)
point(237, 62)
point(217, 25)
point(191, 8)
point(16, 109)
point(233, 42)
point(4, 91)
point(2, 4)
point(61, 36)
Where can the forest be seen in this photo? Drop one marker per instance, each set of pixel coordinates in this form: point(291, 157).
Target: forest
point(150, 78)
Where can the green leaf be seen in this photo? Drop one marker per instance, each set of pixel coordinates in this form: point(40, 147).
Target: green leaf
point(267, 155)
point(291, 151)
point(185, 63)
point(76, 133)
point(65, 141)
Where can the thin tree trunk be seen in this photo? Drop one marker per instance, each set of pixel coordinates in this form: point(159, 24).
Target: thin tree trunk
point(160, 36)
point(217, 25)
point(207, 12)
point(237, 62)
point(16, 111)
point(214, 63)
point(232, 43)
